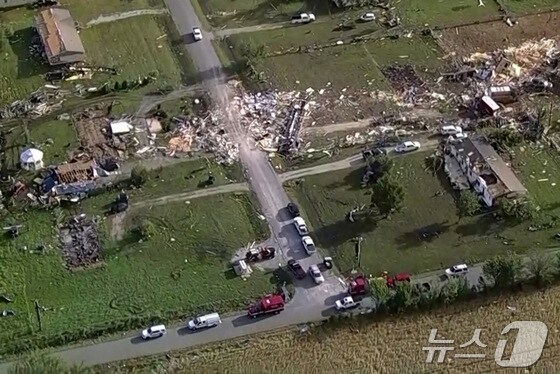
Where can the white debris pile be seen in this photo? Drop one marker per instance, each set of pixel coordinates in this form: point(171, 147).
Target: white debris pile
point(265, 115)
point(532, 59)
point(207, 134)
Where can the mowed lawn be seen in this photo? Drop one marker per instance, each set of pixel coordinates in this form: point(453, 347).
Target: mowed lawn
point(408, 240)
point(84, 10)
point(131, 46)
point(182, 269)
point(445, 13)
point(356, 66)
point(20, 72)
point(522, 7)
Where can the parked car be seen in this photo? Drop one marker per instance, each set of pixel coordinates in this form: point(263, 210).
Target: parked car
point(293, 209)
point(367, 17)
point(300, 225)
point(296, 269)
point(316, 274)
point(457, 138)
point(197, 34)
point(346, 303)
point(407, 146)
point(450, 130)
point(303, 18)
point(373, 152)
point(308, 245)
point(457, 270)
point(207, 320)
point(154, 332)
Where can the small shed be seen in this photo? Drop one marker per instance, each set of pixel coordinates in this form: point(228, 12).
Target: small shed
point(31, 159)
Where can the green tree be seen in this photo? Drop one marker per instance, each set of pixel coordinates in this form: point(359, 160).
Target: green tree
point(521, 209)
point(387, 194)
point(503, 271)
point(138, 175)
point(380, 291)
point(455, 289)
point(402, 298)
point(468, 203)
point(541, 268)
point(503, 139)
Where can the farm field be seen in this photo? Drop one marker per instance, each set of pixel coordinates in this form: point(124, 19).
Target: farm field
point(361, 346)
point(405, 242)
point(181, 269)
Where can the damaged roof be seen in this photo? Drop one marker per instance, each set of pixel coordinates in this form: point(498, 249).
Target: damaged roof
point(483, 157)
point(59, 36)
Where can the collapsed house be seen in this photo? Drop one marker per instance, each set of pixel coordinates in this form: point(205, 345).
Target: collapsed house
point(474, 163)
point(59, 36)
point(70, 181)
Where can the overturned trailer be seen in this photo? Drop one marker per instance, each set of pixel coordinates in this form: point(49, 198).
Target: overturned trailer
point(290, 139)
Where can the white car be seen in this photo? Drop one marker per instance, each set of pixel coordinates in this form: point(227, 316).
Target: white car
point(316, 274)
point(197, 34)
point(303, 18)
point(457, 138)
point(367, 17)
point(346, 303)
point(154, 332)
point(408, 146)
point(300, 225)
point(308, 245)
point(457, 270)
point(450, 130)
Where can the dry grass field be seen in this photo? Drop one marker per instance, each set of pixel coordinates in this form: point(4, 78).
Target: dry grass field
point(389, 346)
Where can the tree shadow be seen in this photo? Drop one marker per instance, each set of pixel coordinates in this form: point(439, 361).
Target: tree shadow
point(484, 225)
point(341, 232)
point(425, 234)
point(352, 181)
point(28, 65)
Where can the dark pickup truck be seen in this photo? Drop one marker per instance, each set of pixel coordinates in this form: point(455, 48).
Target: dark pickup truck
point(296, 269)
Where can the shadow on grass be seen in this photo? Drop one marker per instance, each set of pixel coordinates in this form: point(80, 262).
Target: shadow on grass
point(28, 65)
point(336, 234)
point(426, 234)
point(484, 225)
point(230, 274)
point(351, 181)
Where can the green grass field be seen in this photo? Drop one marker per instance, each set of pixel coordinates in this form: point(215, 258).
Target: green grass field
point(20, 73)
point(445, 12)
point(63, 135)
point(398, 244)
point(84, 10)
point(522, 7)
point(131, 47)
point(184, 267)
point(357, 66)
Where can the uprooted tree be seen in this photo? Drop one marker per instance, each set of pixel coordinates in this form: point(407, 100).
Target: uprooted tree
point(521, 209)
point(387, 195)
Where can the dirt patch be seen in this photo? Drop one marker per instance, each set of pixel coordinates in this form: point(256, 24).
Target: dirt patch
point(92, 128)
point(117, 227)
point(491, 36)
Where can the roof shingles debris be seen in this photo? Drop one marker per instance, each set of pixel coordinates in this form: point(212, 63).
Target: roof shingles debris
point(59, 36)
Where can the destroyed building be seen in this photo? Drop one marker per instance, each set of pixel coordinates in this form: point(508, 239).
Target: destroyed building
point(485, 170)
point(59, 36)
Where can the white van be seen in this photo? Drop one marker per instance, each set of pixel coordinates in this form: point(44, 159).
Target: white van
point(450, 130)
point(154, 332)
point(208, 320)
point(457, 270)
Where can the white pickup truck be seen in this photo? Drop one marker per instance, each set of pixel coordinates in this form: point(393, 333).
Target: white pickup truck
point(303, 18)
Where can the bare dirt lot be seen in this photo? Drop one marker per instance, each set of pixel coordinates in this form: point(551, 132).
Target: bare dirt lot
point(491, 36)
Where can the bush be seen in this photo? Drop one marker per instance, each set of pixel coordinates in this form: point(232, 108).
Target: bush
point(147, 229)
point(138, 176)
